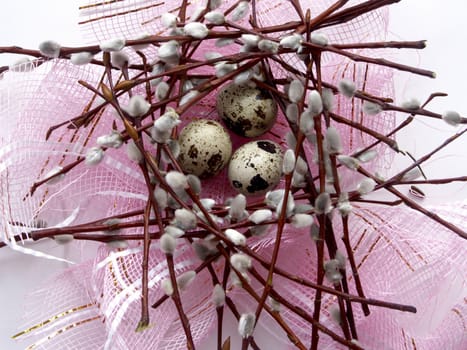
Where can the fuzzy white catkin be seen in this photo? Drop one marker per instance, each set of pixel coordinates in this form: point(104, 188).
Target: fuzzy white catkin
point(292, 112)
point(162, 90)
point(246, 324)
point(212, 55)
point(323, 204)
point(366, 186)
point(243, 77)
point(218, 296)
point(160, 136)
point(94, 156)
point(168, 243)
point(167, 287)
point(452, 118)
point(343, 205)
point(221, 42)
point(333, 139)
point(301, 166)
point(134, 153)
point(288, 164)
point(240, 11)
point(335, 314)
point(289, 208)
point(167, 121)
point(368, 156)
point(174, 148)
point(241, 262)
point(112, 140)
point(331, 270)
point(301, 220)
point(237, 207)
point(260, 216)
point(50, 48)
point(185, 219)
point(347, 88)
point(157, 70)
point(188, 97)
point(196, 30)
point(291, 41)
point(250, 39)
point(349, 162)
point(235, 237)
point(259, 230)
point(215, 17)
point(63, 239)
point(119, 59)
point(371, 108)
point(81, 58)
point(411, 104)
point(274, 304)
point(296, 90)
point(224, 68)
point(319, 39)
point(112, 45)
point(268, 46)
point(207, 203)
point(328, 99)
point(161, 197)
point(137, 106)
point(273, 198)
point(117, 244)
point(194, 182)
point(306, 123)
point(412, 174)
point(168, 20)
point(174, 231)
point(176, 180)
point(214, 4)
point(185, 279)
point(197, 13)
point(315, 103)
point(290, 139)
point(298, 180)
point(168, 52)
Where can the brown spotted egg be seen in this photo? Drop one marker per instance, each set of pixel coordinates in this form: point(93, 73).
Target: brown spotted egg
point(205, 148)
point(247, 111)
point(256, 167)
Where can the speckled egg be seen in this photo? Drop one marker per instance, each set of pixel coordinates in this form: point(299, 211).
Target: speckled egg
point(256, 167)
point(205, 148)
point(247, 111)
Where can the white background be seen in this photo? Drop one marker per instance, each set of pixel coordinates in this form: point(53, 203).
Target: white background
point(27, 23)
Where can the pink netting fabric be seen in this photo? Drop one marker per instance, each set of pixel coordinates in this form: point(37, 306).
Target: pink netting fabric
point(96, 305)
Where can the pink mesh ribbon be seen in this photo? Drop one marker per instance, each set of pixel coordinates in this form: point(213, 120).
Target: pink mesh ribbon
point(402, 256)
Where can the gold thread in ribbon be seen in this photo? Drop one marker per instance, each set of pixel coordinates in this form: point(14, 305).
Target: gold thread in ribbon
point(62, 330)
point(388, 241)
point(142, 8)
point(159, 17)
point(405, 339)
point(461, 317)
point(99, 4)
point(50, 320)
point(114, 278)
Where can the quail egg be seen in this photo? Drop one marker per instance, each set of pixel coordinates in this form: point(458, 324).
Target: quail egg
point(255, 168)
point(247, 111)
point(205, 148)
